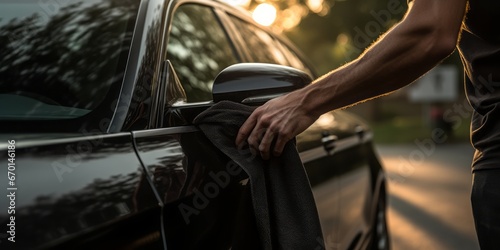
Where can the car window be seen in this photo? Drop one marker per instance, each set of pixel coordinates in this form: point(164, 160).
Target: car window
point(263, 46)
point(199, 49)
point(60, 64)
point(293, 59)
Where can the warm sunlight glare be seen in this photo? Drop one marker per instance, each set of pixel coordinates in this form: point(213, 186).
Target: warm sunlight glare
point(264, 14)
point(291, 18)
point(316, 6)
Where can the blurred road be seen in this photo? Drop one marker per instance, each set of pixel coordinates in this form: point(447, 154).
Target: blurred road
point(429, 196)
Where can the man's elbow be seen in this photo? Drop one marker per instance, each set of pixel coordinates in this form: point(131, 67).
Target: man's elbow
point(445, 45)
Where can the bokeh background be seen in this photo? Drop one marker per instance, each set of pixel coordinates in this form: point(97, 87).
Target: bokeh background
point(429, 179)
point(334, 32)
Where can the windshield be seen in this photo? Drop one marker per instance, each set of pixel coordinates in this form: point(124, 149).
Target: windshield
point(58, 59)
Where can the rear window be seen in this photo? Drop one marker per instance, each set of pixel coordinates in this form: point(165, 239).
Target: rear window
point(58, 59)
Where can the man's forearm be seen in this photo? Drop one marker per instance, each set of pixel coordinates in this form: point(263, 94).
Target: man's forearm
point(428, 33)
point(406, 52)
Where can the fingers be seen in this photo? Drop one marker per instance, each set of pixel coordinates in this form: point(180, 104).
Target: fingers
point(246, 129)
point(267, 147)
point(257, 131)
point(280, 145)
point(265, 144)
point(256, 137)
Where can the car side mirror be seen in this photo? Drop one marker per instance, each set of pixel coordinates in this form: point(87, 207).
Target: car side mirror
point(257, 83)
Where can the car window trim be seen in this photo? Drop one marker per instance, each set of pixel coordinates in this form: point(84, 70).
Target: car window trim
point(164, 131)
point(124, 98)
point(233, 34)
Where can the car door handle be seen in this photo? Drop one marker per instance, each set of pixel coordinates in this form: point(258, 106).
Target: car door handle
point(329, 141)
point(360, 131)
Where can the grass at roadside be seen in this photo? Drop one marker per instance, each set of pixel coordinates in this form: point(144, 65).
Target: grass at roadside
point(407, 129)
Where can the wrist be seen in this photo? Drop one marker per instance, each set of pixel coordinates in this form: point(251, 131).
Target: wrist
point(311, 102)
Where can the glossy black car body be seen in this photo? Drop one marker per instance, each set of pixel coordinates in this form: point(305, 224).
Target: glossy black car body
point(134, 173)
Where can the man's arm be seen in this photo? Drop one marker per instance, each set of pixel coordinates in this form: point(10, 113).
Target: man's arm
point(427, 34)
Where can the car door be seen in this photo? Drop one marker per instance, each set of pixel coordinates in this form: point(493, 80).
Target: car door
point(73, 184)
point(81, 191)
point(204, 195)
point(351, 161)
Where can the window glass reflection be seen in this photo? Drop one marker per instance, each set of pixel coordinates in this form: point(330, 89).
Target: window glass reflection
point(263, 47)
point(294, 60)
point(198, 49)
point(59, 60)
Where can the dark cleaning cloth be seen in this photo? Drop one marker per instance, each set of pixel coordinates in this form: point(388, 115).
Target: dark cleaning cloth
point(283, 203)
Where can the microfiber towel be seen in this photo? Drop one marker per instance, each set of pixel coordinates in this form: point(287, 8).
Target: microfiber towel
point(283, 203)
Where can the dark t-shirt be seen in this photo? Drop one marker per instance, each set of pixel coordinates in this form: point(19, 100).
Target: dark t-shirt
point(479, 48)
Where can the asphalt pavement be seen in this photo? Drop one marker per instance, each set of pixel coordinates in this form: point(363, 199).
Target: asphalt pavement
point(429, 196)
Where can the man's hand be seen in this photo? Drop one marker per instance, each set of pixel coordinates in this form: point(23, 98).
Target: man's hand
point(272, 125)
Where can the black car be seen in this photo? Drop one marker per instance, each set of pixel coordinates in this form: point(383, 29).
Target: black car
point(99, 150)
